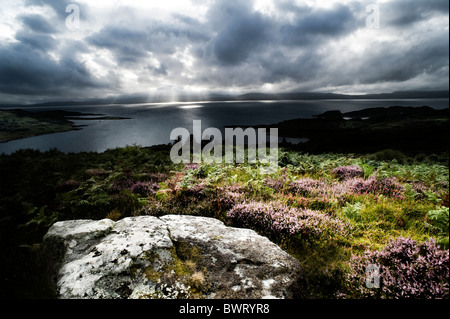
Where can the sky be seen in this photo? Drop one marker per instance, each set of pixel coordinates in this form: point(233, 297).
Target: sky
point(61, 50)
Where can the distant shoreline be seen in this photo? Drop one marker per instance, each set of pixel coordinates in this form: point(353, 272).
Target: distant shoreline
point(410, 129)
point(253, 96)
point(18, 124)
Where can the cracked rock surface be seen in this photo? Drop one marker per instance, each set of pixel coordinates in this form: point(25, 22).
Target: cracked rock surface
point(168, 257)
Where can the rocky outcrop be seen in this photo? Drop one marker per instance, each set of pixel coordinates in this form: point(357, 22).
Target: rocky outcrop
point(168, 257)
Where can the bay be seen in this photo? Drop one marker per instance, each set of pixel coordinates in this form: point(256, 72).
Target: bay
point(151, 123)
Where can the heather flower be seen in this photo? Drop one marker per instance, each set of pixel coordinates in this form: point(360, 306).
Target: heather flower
point(157, 177)
point(141, 188)
point(296, 201)
point(321, 202)
point(278, 184)
point(121, 184)
point(308, 187)
point(386, 187)
point(420, 189)
point(191, 166)
point(145, 188)
point(277, 221)
point(192, 194)
point(407, 270)
point(346, 172)
point(275, 184)
point(230, 196)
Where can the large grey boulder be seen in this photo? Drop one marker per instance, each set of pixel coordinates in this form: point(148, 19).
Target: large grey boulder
point(168, 257)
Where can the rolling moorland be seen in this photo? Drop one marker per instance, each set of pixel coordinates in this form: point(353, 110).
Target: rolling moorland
point(342, 201)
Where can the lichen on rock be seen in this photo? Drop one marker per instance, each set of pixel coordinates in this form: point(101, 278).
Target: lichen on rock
point(168, 257)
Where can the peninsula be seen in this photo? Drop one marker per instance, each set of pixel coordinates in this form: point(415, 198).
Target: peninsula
point(18, 123)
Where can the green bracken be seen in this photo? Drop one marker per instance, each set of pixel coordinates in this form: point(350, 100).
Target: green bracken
point(38, 189)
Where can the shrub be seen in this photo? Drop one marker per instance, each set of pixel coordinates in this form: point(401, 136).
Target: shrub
point(280, 182)
point(388, 155)
point(420, 190)
point(320, 202)
point(386, 186)
point(280, 222)
point(346, 172)
point(192, 194)
point(144, 188)
point(353, 211)
point(230, 196)
point(307, 186)
point(191, 166)
point(121, 184)
point(368, 168)
point(439, 219)
point(415, 191)
point(68, 186)
point(114, 215)
point(96, 172)
point(276, 184)
point(156, 177)
point(444, 197)
point(125, 202)
point(407, 270)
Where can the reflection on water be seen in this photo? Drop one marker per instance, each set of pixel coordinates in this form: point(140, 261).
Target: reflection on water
point(151, 124)
point(191, 106)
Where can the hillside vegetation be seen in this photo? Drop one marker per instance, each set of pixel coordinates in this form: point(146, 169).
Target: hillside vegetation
point(335, 213)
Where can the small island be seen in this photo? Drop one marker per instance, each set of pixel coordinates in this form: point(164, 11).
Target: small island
point(18, 123)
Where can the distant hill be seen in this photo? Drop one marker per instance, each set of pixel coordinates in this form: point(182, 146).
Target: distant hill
point(292, 96)
point(386, 112)
point(255, 96)
point(412, 130)
point(327, 96)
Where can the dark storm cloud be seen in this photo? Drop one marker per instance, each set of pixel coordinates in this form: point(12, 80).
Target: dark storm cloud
point(267, 49)
point(319, 25)
point(58, 18)
point(37, 23)
point(232, 45)
point(128, 45)
point(189, 21)
point(58, 6)
point(131, 44)
point(240, 32)
point(30, 72)
point(28, 67)
point(240, 38)
point(287, 6)
point(402, 13)
point(31, 41)
point(278, 60)
point(161, 70)
point(386, 63)
point(223, 12)
point(306, 66)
